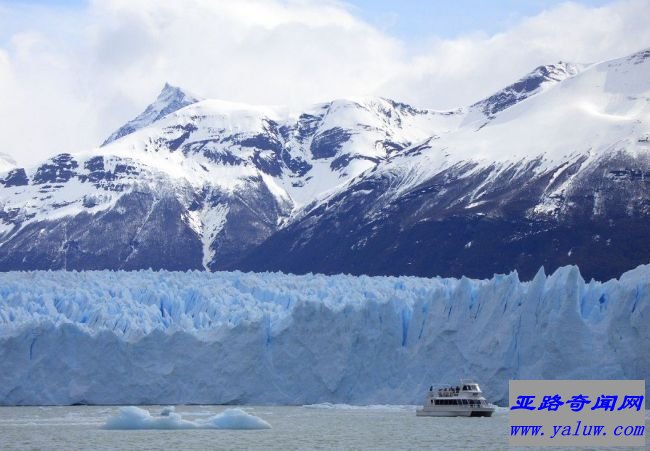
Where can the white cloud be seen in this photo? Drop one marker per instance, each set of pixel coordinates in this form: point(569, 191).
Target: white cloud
point(69, 77)
point(460, 71)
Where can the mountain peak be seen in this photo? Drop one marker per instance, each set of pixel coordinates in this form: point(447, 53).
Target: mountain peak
point(174, 91)
point(171, 98)
point(557, 72)
point(536, 81)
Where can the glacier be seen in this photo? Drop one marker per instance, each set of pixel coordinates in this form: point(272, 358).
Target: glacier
point(151, 337)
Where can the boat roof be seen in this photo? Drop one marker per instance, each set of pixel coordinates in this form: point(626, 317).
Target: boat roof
point(454, 384)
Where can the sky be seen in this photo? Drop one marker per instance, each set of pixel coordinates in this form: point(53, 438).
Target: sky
point(413, 20)
point(72, 71)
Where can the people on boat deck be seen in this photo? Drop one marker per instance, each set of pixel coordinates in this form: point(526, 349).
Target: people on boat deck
point(446, 391)
point(451, 391)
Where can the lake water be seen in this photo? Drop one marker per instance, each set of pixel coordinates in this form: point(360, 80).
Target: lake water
point(308, 427)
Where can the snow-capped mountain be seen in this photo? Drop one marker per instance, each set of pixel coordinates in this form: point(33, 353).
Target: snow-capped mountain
point(561, 177)
point(540, 79)
point(170, 99)
point(198, 187)
point(549, 171)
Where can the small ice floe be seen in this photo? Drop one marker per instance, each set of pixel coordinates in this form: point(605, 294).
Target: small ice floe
point(167, 411)
point(136, 418)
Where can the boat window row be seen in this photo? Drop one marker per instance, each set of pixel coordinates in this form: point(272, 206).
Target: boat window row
point(456, 402)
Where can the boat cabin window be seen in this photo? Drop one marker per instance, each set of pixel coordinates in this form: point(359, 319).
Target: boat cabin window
point(447, 402)
point(457, 402)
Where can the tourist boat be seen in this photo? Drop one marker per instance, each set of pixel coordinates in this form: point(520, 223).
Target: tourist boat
point(463, 400)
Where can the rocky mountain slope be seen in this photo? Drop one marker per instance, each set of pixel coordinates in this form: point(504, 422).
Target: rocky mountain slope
point(549, 171)
point(560, 177)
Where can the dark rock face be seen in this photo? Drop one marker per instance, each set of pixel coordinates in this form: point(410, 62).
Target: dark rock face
point(517, 92)
point(600, 225)
point(262, 142)
point(59, 169)
point(15, 177)
point(142, 231)
point(210, 149)
point(146, 227)
point(252, 218)
point(521, 89)
point(306, 127)
point(326, 144)
point(344, 160)
point(296, 165)
point(185, 132)
point(96, 174)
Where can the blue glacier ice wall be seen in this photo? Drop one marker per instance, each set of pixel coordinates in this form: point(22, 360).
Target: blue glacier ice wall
point(166, 338)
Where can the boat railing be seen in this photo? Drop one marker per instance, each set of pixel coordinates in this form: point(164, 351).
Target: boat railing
point(447, 391)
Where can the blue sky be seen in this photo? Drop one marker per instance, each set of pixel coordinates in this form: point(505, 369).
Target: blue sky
point(417, 19)
point(414, 19)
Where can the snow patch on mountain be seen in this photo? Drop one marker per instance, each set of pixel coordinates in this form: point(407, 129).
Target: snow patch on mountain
point(49, 203)
point(207, 223)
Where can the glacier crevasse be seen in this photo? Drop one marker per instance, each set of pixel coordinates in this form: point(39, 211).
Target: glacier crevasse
point(243, 338)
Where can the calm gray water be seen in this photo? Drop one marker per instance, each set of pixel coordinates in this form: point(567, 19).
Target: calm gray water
point(316, 427)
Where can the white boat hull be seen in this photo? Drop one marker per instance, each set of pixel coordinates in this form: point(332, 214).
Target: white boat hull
point(473, 412)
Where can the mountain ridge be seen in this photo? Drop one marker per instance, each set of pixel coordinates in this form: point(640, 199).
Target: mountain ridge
point(335, 187)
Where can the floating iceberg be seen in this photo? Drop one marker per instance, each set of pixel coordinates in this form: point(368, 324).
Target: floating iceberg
point(136, 418)
point(242, 338)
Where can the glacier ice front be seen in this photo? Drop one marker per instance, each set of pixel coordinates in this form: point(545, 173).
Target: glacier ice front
point(242, 338)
